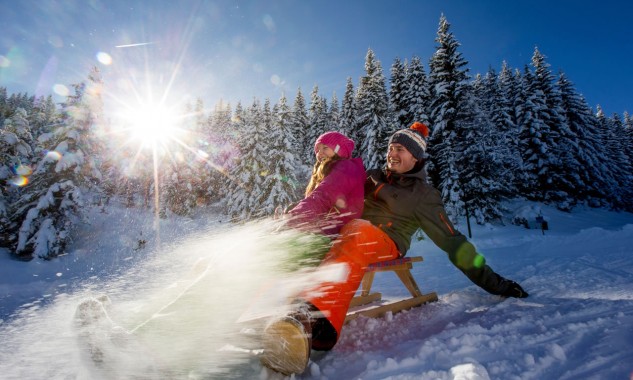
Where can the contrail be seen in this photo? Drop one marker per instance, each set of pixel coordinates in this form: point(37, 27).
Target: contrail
point(132, 45)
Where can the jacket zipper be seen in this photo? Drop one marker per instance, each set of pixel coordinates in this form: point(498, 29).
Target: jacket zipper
point(377, 190)
point(446, 224)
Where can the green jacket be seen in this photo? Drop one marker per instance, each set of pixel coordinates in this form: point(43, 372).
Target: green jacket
point(399, 204)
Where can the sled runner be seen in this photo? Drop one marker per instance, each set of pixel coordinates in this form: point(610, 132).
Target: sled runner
point(402, 268)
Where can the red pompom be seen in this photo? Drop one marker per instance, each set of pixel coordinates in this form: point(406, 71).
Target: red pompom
point(422, 128)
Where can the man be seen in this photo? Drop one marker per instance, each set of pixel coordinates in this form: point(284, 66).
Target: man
point(398, 201)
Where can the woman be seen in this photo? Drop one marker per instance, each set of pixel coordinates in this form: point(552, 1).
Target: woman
point(334, 195)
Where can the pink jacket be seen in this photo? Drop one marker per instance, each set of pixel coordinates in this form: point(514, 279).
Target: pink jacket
point(334, 202)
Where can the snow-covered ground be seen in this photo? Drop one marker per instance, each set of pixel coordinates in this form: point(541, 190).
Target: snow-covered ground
point(176, 295)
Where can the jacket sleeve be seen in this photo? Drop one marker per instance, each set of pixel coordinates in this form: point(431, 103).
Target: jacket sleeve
point(435, 223)
point(323, 200)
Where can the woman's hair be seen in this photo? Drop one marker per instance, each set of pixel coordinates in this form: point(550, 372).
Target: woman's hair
point(320, 170)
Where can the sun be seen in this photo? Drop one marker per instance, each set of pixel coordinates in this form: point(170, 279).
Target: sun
point(152, 124)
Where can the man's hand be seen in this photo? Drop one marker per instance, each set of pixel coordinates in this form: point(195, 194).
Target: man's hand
point(514, 290)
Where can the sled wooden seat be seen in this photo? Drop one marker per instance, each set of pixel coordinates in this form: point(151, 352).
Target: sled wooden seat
point(402, 268)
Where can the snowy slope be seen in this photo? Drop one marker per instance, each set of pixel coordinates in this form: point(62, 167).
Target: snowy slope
point(181, 301)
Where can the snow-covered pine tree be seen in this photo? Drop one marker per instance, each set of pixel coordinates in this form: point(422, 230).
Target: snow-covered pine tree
point(559, 185)
point(300, 125)
point(219, 148)
point(53, 202)
point(318, 123)
point(16, 156)
point(505, 122)
point(230, 185)
point(628, 137)
point(451, 116)
point(502, 132)
point(534, 145)
point(373, 118)
point(334, 115)
point(180, 173)
point(588, 152)
point(237, 196)
point(43, 115)
point(279, 184)
point(266, 168)
point(398, 94)
point(178, 190)
point(614, 144)
point(417, 94)
point(348, 125)
point(628, 132)
point(4, 106)
point(481, 190)
point(246, 176)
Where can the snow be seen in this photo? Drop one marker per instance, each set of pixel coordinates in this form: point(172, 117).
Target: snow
point(181, 287)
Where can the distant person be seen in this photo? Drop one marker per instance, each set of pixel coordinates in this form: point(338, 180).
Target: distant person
point(398, 201)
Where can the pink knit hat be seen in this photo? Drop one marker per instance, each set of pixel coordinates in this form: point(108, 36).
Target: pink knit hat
point(338, 142)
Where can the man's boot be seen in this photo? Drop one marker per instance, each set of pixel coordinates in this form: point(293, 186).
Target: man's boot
point(287, 343)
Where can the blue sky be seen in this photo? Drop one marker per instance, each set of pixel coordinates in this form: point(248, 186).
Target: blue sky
point(235, 50)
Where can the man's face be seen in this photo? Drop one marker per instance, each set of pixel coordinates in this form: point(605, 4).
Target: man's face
point(399, 159)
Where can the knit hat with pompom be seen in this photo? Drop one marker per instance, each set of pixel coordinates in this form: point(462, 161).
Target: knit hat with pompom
point(412, 138)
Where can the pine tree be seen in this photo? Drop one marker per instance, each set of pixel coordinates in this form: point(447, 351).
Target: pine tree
point(534, 148)
point(318, 123)
point(619, 169)
point(4, 105)
point(219, 152)
point(417, 94)
point(334, 115)
point(373, 114)
point(16, 156)
point(348, 125)
point(451, 116)
point(480, 188)
point(54, 201)
point(397, 94)
point(559, 183)
point(628, 132)
point(247, 175)
point(505, 119)
point(587, 150)
point(279, 184)
point(43, 115)
point(301, 124)
point(504, 132)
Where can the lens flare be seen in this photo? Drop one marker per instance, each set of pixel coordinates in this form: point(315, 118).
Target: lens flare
point(19, 181)
point(104, 58)
point(61, 90)
point(4, 61)
point(53, 155)
point(22, 170)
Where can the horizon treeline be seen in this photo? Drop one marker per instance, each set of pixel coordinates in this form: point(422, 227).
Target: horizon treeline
point(516, 133)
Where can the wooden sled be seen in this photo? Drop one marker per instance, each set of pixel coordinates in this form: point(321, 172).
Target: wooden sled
point(402, 268)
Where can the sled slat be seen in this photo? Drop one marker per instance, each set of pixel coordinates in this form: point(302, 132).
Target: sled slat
point(394, 307)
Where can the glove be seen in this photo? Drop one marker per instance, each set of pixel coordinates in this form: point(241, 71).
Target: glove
point(513, 290)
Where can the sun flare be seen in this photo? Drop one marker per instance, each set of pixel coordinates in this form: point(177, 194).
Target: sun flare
point(152, 124)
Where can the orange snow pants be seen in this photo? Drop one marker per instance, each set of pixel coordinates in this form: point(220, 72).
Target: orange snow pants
point(360, 243)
